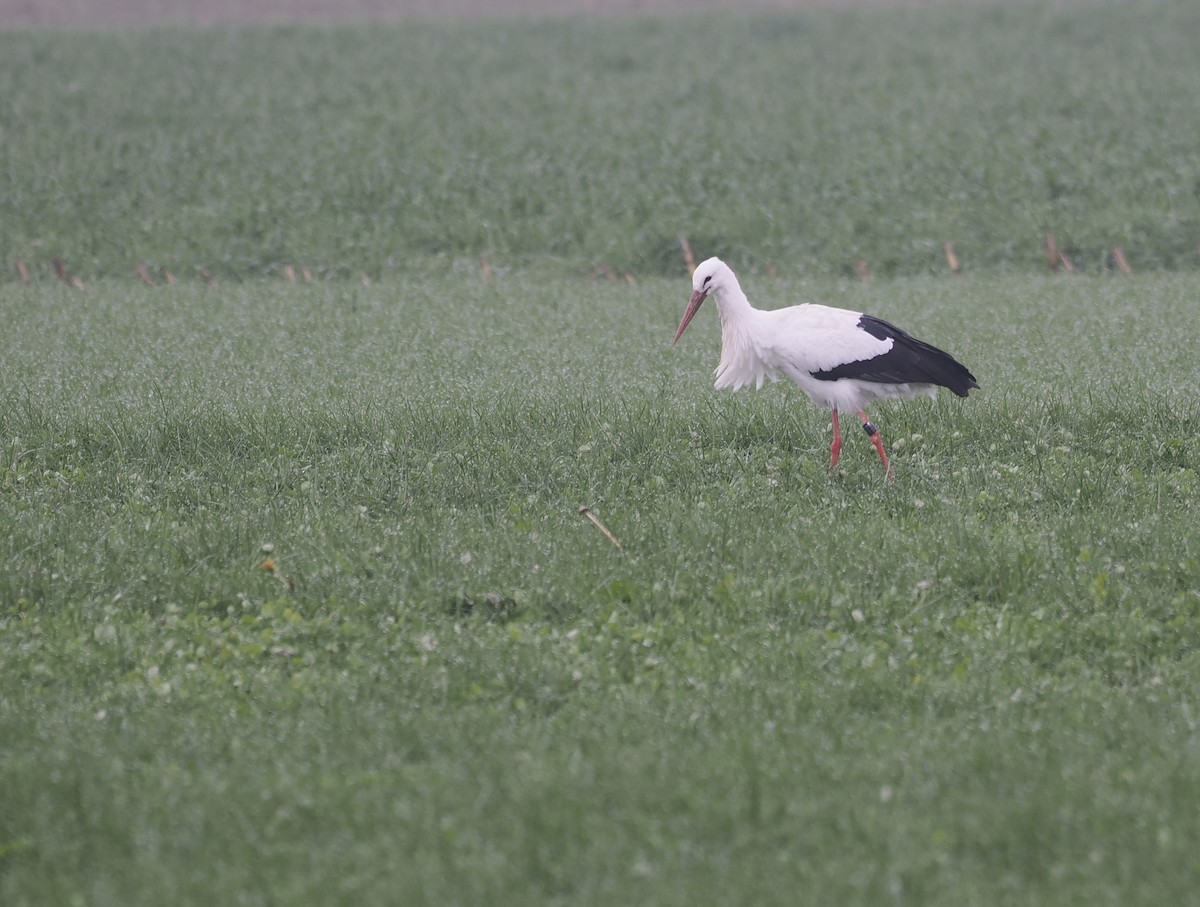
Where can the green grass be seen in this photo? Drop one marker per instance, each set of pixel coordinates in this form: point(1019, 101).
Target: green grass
point(798, 142)
point(296, 603)
point(975, 686)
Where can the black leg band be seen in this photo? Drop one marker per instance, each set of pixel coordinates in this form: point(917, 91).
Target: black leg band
point(870, 429)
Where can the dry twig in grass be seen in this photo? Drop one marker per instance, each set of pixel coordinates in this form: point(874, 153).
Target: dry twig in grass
point(688, 258)
point(587, 512)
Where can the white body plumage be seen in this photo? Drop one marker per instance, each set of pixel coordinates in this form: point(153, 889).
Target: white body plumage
point(798, 341)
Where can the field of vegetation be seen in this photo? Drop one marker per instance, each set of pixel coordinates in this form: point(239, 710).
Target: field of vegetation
point(297, 604)
point(800, 142)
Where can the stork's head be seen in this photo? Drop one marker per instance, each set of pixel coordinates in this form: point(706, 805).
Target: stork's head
point(709, 277)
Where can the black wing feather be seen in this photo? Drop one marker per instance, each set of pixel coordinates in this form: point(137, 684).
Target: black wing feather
point(909, 361)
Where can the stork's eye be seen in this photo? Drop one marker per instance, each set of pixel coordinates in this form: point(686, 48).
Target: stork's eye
point(708, 280)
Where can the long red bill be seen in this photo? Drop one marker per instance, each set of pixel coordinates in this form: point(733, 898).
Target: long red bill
point(693, 307)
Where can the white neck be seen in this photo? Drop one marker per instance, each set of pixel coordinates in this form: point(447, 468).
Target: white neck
point(732, 304)
point(740, 361)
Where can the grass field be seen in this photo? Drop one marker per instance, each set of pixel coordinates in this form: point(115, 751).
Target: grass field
point(296, 603)
point(975, 686)
point(796, 141)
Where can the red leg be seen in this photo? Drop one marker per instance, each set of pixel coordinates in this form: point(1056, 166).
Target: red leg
point(836, 450)
point(873, 432)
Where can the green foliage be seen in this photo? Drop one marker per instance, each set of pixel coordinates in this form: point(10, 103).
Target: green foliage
point(297, 605)
point(798, 141)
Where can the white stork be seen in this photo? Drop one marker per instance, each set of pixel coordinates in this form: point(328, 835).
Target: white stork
point(841, 359)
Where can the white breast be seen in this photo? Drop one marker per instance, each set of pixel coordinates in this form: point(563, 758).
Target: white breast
point(744, 358)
